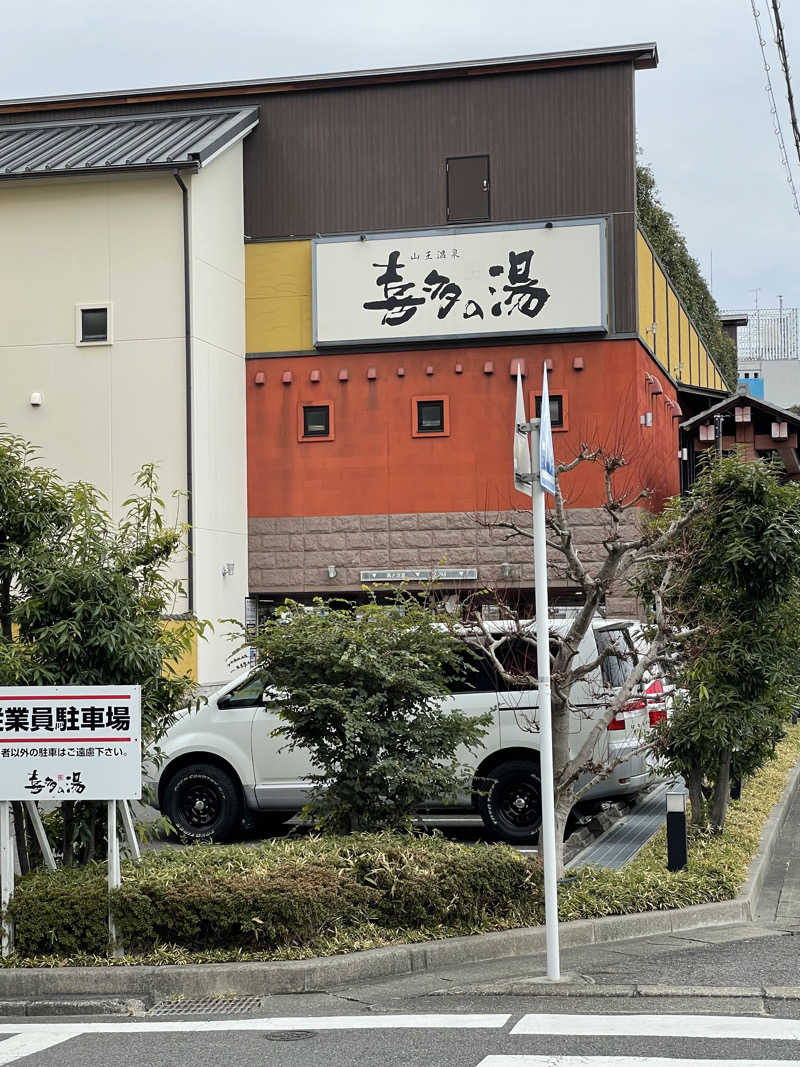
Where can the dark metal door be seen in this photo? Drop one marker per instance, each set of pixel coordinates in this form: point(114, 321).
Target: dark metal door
point(467, 188)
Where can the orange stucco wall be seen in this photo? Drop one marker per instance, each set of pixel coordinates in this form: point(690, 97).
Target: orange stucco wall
point(374, 465)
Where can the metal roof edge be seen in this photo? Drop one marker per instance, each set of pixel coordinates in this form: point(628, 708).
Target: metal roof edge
point(191, 166)
point(643, 56)
point(247, 111)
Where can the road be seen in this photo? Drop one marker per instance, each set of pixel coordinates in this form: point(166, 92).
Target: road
point(499, 1033)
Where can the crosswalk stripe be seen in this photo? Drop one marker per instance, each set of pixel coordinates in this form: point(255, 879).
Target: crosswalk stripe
point(29, 1043)
point(717, 1027)
point(311, 1022)
point(622, 1061)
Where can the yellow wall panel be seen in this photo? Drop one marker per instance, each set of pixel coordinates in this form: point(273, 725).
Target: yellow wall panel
point(684, 347)
point(694, 357)
point(660, 348)
point(644, 266)
point(705, 362)
point(187, 664)
point(278, 325)
point(673, 310)
point(278, 268)
point(278, 296)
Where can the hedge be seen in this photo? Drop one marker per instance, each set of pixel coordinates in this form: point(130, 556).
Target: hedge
point(279, 896)
point(294, 898)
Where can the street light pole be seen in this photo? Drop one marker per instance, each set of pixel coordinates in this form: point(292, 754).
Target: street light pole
point(548, 832)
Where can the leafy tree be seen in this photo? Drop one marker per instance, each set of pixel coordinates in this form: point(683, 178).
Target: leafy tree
point(33, 514)
point(734, 595)
point(684, 271)
point(88, 600)
point(363, 692)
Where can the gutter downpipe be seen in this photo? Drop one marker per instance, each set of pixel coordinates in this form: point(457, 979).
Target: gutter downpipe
point(187, 303)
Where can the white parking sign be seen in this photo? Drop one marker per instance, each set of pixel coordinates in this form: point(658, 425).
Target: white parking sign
point(71, 742)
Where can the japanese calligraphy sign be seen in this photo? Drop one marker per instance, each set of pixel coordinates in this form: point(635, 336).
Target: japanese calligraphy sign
point(71, 743)
point(461, 282)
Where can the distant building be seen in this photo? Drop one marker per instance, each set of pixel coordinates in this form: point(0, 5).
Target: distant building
point(768, 352)
point(745, 425)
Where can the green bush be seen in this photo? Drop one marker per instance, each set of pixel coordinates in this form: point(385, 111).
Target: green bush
point(61, 912)
point(286, 905)
point(285, 896)
point(444, 883)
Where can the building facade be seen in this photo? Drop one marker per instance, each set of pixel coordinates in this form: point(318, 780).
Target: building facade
point(360, 268)
point(122, 336)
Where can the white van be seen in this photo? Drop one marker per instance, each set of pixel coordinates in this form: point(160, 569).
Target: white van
point(223, 759)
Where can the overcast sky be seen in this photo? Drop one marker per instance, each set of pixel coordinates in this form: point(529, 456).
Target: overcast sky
point(703, 115)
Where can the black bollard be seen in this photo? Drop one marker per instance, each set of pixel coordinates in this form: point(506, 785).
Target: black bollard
point(677, 842)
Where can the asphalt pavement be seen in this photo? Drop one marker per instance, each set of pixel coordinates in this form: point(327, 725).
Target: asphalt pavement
point(501, 1035)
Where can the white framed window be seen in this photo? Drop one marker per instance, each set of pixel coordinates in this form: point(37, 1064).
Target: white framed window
point(93, 324)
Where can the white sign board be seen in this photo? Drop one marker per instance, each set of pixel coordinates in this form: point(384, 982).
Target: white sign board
point(461, 282)
point(71, 742)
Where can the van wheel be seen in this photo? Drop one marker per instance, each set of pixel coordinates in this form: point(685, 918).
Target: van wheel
point(511, 802)
point(203, 803)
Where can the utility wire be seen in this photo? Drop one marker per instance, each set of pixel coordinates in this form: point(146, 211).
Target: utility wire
point(780, 41)
point(774, 109)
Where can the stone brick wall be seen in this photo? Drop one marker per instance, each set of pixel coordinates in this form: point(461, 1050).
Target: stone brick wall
point(292, 555)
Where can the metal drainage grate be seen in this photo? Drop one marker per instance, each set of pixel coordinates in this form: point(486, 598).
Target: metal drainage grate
point(208, 1006)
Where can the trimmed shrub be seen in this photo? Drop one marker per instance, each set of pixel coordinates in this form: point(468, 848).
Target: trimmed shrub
point(61, 912)
point(437, 882)
point(261, 908)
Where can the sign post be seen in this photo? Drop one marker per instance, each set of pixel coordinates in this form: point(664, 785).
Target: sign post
point(67, 743)
point(6, 875)
point(538, 475)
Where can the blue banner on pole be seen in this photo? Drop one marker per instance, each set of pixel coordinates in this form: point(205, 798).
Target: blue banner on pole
point(547, 459)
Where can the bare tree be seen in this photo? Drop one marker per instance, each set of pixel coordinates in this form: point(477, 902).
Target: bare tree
point(627, 545)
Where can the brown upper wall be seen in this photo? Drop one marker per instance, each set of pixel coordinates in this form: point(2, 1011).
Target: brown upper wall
point(367, 152)
point(560, 143)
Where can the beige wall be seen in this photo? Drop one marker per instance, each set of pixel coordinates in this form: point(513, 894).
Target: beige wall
point(108, 409)
point(220, 449)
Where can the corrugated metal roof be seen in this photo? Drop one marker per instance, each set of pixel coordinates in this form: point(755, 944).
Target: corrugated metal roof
point(129, 142)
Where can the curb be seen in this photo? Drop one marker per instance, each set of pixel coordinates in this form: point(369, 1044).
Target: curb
point(536, 988)
point(22, 985)
point(753, 883)
point(72, 1007)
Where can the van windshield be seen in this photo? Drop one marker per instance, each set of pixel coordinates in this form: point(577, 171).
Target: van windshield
point(621, 658)
point(247, 694)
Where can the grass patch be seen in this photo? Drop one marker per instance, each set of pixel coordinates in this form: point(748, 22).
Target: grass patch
point(294, 899)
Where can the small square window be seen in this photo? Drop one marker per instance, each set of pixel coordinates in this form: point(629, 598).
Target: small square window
point(430, 416)
point(315, 422)
point(94, 324)
point(556, 410)
point(559, 411)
